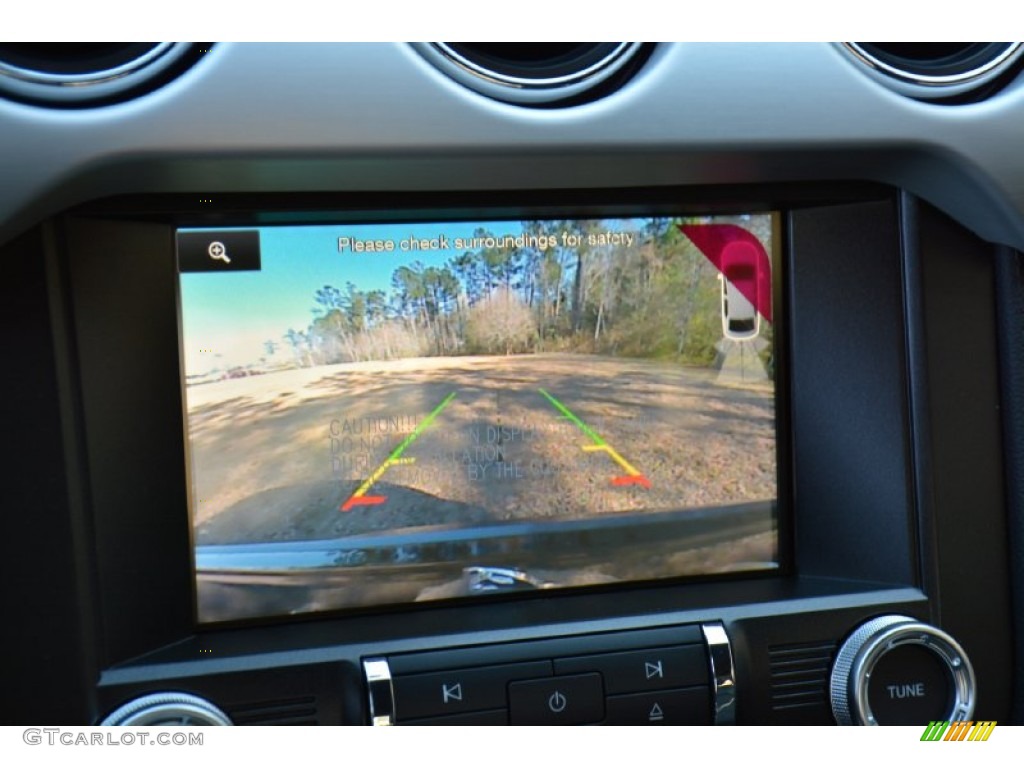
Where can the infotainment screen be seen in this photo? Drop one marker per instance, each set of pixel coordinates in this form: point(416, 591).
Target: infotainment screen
point(379, 414)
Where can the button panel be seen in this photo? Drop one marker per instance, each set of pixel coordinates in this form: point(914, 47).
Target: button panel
point(638, 677)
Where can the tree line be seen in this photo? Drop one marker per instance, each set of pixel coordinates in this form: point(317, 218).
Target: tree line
point(656, 297)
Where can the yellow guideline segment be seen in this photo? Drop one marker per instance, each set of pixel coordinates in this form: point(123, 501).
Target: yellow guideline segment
point(616, 456)
point(378, 473)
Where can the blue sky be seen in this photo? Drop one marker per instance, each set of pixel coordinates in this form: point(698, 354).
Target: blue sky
point(232, 314)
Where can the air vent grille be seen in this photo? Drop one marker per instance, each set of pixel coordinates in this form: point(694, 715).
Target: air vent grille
point(297, 711)
point(800, 675)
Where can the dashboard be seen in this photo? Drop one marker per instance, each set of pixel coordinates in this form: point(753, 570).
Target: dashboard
point(466, 383)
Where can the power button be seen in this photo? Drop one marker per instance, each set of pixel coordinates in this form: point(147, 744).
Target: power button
point(567, 700)
point(557, 702)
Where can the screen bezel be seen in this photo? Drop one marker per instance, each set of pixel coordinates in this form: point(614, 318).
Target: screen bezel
point(116, 260)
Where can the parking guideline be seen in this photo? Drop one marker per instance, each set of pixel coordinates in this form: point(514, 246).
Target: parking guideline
point(359, 498)
point(633, 475)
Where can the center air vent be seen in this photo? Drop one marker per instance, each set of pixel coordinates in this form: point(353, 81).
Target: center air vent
point(537, 74)
point(940, 71)
point(88, 74)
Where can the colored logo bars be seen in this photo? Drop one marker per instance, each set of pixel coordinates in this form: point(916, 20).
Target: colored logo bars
point(943, 730)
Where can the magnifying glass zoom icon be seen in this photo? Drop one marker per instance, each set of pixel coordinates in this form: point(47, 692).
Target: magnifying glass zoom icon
point(218, 252)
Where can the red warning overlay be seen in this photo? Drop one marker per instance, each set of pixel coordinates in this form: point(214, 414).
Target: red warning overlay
point(740, 257)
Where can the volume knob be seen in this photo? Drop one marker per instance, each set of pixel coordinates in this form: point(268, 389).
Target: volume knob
point(896, 670)
point(163, 709)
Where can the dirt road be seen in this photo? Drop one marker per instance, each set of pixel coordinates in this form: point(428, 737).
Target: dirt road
point(348, 449)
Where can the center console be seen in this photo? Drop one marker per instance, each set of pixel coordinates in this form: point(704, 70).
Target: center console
point(671, 456)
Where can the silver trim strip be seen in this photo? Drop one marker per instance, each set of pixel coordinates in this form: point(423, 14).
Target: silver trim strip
point(723, 673)
point(379, 691)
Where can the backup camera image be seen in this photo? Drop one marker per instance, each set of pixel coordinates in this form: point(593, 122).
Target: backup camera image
point(390, 413)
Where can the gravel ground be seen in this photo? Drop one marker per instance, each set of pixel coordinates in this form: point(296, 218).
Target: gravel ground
point(275, 457)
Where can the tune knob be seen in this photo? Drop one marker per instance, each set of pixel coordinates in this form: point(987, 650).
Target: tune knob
point(895, 670)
